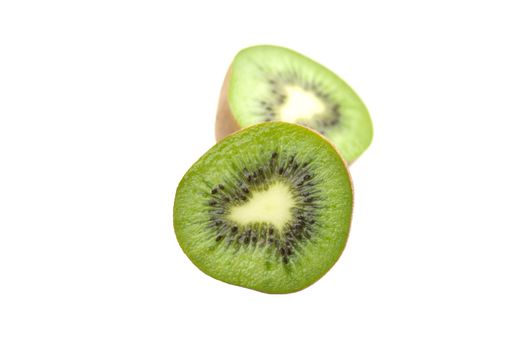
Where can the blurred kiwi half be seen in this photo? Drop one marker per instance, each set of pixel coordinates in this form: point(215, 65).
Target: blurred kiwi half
point(270, 83)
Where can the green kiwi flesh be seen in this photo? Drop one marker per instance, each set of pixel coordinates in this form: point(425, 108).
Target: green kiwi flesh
point(267, 208)
point(270, 83)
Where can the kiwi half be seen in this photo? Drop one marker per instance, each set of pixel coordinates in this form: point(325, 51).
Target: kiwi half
point(267, 208)
point(270, 83)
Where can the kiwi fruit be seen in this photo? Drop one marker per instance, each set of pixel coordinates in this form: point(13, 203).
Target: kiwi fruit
point(270, 83)
point(267, 208)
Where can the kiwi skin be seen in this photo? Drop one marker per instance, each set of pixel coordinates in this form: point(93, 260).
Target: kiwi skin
point(225, 123)
point(270, 291)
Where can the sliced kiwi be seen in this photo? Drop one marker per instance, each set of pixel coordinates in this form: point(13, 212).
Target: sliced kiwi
point(269, 83)
point(267, 208)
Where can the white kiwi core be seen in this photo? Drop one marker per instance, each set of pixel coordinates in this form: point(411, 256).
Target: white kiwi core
point(300, 104)
point(273, 206)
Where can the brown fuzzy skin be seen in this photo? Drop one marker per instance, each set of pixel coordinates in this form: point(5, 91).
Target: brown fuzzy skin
point(225, 123)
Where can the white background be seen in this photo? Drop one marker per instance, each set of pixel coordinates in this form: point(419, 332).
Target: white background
point(105, 104)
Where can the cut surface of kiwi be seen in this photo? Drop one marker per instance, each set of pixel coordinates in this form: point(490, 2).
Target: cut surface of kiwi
point(271, 83)
point(267, 208)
